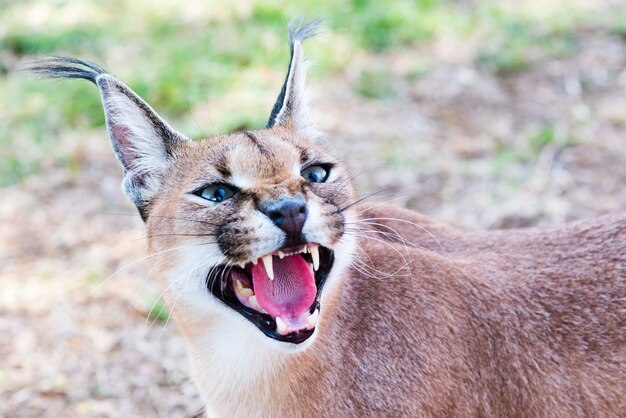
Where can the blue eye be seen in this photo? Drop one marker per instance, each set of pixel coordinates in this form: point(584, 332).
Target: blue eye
point(217, 192)
point(316, 173)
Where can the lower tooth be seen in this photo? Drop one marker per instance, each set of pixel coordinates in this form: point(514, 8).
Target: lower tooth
point(255, 304)
point(281, 327)
point(312, 319)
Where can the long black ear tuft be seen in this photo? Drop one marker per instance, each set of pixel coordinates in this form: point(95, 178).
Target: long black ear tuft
point(66, 67)
point(291, 108)
point(143, 142)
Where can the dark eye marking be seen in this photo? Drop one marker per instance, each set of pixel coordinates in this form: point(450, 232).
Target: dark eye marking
point(222, 168)
point(304, 155)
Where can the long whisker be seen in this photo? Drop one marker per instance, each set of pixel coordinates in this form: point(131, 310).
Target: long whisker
point(194, 268)
point(167, 321)
point(125, 266)
point(379, 204)
point(406, 242)
point(418, 248)
point(173, 218)
point(356, 202)
point(180, 235)
point(410, 223)
point(386, 275)
point(389, 245)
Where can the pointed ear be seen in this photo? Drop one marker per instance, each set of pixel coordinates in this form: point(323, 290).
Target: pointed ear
point(143, 142)
point(291, 108)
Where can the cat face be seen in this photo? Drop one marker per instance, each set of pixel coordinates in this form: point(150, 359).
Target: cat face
point(256, 219)
point(249, 226)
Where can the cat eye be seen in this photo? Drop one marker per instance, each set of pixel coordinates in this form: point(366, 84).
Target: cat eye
point(216, 192)
point(316, 173)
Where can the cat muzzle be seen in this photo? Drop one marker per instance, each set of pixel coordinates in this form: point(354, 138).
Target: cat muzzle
point(279, 292)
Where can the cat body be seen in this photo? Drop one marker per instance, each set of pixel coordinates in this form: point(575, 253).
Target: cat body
point(296, 300)
point(501, 323)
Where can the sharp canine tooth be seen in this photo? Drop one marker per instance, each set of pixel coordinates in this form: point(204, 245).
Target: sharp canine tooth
point(312, 319)
point(267, 261)
point(315, 256)
point(252, 300)
point(281, 327)
point(281, 255)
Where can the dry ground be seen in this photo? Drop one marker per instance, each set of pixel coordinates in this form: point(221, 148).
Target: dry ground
point(540, 146)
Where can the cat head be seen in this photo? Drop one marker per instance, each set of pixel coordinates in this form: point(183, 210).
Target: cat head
point(249, 227)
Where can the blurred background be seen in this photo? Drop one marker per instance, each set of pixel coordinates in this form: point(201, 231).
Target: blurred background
point(483, 114)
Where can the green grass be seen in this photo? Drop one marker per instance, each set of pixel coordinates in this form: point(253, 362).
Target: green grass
point(94, 277)
point(375, 84)
point(212, 67)
point(158, 311)
point(515, 42)
point(618, 25)
point(509, 160)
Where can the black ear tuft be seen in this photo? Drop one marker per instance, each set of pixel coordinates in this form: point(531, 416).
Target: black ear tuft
point(299, 30)
point(143, 142)
point(290, 107)
point(66, 67)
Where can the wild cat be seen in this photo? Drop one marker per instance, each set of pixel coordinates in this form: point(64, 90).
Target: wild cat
point(296, 300)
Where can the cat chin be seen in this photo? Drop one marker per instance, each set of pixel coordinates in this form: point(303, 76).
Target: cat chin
point(191, 303)
point(230, 329)
point(290, 348)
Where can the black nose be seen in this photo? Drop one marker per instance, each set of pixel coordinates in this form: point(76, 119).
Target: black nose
point(289, 215)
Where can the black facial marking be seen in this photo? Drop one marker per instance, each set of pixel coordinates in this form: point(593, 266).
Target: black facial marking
point(262, 148)
point(304, 155)
point(222, 168)
point(256, 201)
point(143, 212)
point(251, 137)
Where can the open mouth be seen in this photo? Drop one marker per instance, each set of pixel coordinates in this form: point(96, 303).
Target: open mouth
point(279, 292)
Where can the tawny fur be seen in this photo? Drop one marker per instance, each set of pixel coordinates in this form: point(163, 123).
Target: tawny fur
point(417, 319)
point(500, 324)
point(430, 321)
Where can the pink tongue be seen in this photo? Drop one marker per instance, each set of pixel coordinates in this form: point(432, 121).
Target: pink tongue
point(292, 291)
